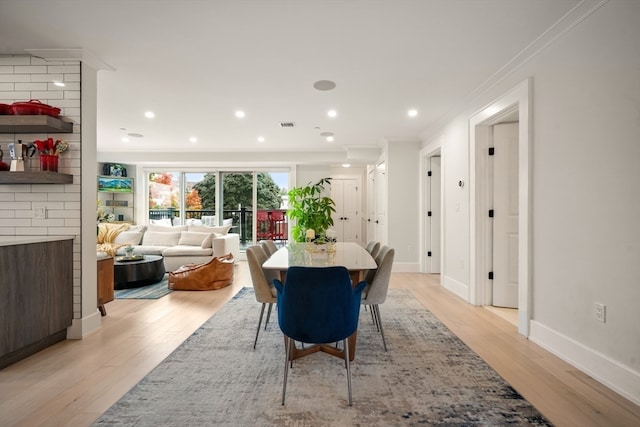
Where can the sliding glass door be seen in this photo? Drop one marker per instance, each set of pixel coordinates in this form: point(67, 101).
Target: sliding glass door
point(242, 196)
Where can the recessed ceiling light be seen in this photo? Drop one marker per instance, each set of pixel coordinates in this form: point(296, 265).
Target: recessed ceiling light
point(58, 83)
point(261, 139)
point(125, 139)
point(193, 139)
point(329, 139)
point(412, 113)
point(149, 114)
point(332, 113)
point(346, 165)
point(240, 114)
point(324, 85)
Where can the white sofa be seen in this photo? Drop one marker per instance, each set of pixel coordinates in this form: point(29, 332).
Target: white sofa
point(179, 245)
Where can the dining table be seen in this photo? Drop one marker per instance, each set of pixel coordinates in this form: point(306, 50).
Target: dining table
point(350, 255)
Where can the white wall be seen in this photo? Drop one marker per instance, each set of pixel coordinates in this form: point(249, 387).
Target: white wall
point(311, 174)
point(586, 202)
point(403, 204)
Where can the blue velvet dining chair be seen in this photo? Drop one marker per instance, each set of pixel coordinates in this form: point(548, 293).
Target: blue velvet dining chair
point(318, 305)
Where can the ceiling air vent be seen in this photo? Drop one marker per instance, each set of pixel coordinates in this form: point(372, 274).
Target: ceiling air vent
point(287, 124)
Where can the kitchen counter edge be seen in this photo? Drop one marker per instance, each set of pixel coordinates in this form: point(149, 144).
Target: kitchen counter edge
point(25, 240)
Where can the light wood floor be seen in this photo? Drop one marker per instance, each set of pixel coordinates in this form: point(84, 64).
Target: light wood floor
point(72, 383)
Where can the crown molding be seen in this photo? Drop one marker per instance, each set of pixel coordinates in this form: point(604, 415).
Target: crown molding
point(73, 54)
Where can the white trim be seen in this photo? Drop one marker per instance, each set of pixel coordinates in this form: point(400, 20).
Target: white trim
point(432, 149)
point(565, 24)
point(609, 372)
point(518, 98)
point(80, 328)
point(458, 288)
point(406, 267)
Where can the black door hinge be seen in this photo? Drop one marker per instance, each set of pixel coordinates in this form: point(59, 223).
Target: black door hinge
point(429, 253)
point(429, 213)
point(490, 213)
point(429, 173)
point(492, 151)
point(491, 275)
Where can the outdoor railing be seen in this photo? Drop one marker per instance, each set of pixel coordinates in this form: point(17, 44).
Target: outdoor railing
point(272, 223)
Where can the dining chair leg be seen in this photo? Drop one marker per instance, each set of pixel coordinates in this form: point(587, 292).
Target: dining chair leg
point(374, 317)
point(377, 310)
point(259, 323)
point(287, 352)
point(268, 316)
point(346, 359)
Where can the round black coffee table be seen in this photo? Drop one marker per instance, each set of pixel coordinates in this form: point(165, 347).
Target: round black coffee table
point(133, 274)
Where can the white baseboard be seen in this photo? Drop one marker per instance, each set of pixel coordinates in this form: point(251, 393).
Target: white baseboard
point(611, 373)
point(458, 288)
point(406, 267)
point(80, 328)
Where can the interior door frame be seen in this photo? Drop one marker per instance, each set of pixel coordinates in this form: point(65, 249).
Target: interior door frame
point(519, 100)
point(432, 149)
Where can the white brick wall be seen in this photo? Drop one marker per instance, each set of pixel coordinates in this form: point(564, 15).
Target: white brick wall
point(23, 78)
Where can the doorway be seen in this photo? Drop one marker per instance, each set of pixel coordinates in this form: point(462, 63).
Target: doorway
point(503, 162)
point(433, 222)
point(510, 107)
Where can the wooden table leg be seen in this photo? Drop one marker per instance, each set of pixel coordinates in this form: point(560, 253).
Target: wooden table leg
point(326, 348)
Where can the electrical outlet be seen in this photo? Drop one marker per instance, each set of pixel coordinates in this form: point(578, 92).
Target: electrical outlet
point(40, 213)
point(600, 312)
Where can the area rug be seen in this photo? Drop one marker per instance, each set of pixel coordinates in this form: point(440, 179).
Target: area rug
point(155, 291)
point(428, 377)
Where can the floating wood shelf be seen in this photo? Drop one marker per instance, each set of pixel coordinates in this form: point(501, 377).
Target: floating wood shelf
point(34, 124)
point(35, 178)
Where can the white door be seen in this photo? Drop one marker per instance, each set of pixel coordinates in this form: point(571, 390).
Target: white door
point(371, 205)
point(344, 193)
point(505, 220)
point(381, 203)
point(433, 216)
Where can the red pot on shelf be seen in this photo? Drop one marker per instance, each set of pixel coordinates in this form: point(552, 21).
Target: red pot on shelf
point(5, 109)
point(33, 107)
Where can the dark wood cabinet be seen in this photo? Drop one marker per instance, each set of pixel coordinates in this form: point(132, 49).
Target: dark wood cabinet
point(36, 297)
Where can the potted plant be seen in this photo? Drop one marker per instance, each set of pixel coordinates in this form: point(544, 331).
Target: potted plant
point(311, 210)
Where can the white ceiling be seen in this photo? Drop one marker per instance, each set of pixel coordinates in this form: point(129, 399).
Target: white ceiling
point(194, 63)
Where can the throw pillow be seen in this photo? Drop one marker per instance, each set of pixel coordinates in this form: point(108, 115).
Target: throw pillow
point(140, 228)
point(223, 229)
point(155, 238)
point(167, 228)
point(208, 242)
point(164, 221)
point(190, 238)
point(129, 237)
